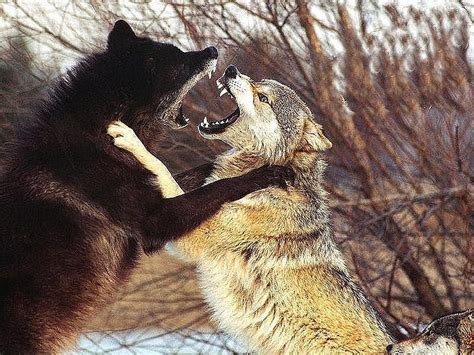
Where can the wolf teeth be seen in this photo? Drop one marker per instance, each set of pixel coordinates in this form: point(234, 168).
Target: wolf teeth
point(212, 71)
point(223, 91)
point(206, 124)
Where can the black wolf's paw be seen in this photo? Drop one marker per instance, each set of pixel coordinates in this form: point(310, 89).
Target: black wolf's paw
point(275, 175)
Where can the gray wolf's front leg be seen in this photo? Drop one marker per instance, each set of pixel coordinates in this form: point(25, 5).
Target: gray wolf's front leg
point(125, 138)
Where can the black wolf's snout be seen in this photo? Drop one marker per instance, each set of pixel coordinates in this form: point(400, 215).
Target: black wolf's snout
point(203, 55)
point(231, 72)
point(212, 52)
point(389, 348)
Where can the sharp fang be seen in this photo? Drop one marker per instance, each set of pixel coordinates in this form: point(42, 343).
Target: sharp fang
point(209, 75)
point(219, 85)
point(224, 91)
point(205, 120)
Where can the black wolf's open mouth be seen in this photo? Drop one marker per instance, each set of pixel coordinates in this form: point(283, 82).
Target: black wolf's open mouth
point(181, 118)
point(220, 126)
point(208, 69)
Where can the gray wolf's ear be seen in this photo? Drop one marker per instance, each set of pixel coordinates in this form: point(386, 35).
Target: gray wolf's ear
point(121, 35)
point(313, 138)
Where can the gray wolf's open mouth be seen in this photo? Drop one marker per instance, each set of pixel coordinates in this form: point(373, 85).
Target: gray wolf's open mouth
point(220, 126)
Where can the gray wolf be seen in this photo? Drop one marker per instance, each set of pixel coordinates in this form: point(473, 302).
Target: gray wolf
point(268, 264)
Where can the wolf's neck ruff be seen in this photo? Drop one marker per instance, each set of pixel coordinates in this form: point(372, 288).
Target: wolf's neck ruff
point(236, 162)
point(287, 251)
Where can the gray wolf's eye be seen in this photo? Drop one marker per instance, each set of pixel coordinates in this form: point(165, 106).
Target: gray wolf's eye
point(263, 98)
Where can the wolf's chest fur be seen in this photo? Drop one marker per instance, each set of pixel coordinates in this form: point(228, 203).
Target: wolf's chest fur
point(288, 310)
point(273, 275)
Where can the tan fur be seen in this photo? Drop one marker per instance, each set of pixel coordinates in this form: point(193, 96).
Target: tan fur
point(277, 303)
point(268, 265)
point(466, 335)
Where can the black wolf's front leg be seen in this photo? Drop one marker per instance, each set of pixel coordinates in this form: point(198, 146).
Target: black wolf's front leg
point(195, 177)
point(175, 216)
point(180, 212)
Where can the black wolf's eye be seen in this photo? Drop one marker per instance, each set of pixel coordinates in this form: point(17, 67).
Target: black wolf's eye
point(263, 98)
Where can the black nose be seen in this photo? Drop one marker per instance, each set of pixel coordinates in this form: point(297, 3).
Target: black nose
point(389, 347)
point(212, 52)
point(231, 72)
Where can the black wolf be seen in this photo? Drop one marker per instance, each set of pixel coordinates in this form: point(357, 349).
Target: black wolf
point(75, 212)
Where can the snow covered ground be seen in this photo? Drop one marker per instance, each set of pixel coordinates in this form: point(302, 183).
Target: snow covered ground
point(153, 341)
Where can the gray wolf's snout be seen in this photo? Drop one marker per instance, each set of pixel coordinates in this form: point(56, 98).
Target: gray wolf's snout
point(231, 72)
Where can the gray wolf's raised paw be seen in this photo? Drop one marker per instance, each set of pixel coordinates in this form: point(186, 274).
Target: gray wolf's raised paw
point(124, 137)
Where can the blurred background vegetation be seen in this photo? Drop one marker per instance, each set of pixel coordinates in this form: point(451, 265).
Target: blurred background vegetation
point(392, 86)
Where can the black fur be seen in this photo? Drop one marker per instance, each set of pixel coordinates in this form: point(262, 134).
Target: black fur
point(194, 178)
point(75, 211)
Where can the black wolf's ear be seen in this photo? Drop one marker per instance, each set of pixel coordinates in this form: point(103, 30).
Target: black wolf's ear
point(313, 138)
point(121, 35)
